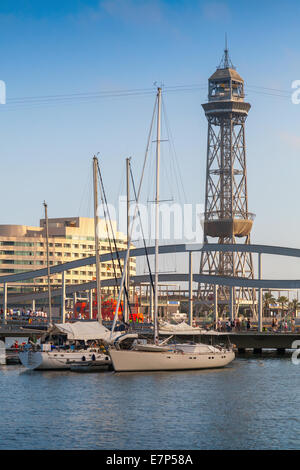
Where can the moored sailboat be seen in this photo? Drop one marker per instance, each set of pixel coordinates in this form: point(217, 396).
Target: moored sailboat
point(142, 356)
point(67, 343)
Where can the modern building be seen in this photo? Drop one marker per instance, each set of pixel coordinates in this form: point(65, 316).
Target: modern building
point(24, 248)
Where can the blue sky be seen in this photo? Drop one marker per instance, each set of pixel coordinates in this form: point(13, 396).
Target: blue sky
point(56, 48)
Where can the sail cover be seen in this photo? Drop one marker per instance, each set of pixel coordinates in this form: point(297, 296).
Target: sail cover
point(87, 330)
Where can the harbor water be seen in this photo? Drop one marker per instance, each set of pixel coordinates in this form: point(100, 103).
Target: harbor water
point(254, 403)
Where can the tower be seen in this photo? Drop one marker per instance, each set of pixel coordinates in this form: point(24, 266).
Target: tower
point(226, 217)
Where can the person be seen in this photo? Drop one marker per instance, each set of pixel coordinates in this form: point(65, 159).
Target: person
point(293, 325)
point(248, 324)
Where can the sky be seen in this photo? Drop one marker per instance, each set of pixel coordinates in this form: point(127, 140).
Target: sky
point(55, 48)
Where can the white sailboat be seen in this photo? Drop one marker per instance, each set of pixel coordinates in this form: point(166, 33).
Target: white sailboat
point(154, 357)
point(68, 345)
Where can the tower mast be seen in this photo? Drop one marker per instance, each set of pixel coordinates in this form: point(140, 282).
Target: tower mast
point(226, 200)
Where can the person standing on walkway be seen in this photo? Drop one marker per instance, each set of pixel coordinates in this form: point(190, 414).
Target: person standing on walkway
point(293, 325)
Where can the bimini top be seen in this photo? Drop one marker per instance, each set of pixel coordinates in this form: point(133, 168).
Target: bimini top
point(86, 330)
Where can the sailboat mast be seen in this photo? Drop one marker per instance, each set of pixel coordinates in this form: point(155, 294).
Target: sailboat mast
point(126, 309)
point(48, 263)
point(157, 214)
point(96, 221)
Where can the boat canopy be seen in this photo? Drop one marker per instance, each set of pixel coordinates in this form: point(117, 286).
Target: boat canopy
point(182, 328)
point(87, 330)
point(166, 328)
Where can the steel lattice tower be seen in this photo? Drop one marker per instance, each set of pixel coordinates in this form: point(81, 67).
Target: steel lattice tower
point(226, 215)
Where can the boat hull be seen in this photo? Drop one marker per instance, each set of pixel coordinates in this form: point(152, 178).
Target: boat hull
point(49, 360)
point(128, 360)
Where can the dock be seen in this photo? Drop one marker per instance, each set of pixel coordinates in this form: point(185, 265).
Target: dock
point(241, 340)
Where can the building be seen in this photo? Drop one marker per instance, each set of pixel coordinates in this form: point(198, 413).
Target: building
point(24, 248)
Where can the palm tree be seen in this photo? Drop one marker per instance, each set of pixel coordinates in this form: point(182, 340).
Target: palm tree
point(267, 300)
point(294, 305)
point(283, 301)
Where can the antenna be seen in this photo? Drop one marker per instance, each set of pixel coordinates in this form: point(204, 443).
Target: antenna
point(226, 61)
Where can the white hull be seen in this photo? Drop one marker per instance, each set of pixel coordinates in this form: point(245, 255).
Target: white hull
point(47, 360)
point(130, 360)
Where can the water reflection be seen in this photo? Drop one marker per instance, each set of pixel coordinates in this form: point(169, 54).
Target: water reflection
point(251, 404)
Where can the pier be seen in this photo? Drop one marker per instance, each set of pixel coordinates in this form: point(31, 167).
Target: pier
point(243, 340)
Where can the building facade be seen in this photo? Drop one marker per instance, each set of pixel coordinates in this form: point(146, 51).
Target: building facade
point(24, 248)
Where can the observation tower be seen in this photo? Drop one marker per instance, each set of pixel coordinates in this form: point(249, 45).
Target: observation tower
point(226, 217)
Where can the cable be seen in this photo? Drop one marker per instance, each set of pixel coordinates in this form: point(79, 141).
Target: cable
point(144, 241)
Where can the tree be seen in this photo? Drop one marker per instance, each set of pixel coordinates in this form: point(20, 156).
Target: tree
point(282, 300)
point(294, 305)
point(267, 300)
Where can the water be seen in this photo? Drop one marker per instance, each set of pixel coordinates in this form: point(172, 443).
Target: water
point(251, 404)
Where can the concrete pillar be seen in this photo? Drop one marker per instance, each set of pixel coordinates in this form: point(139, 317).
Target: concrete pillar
point(63, 297)
point(190, 289)
point(260, 300)
point(231, 304)
point(4, 303)
point(74, 298)
point(216, 313)
point(91, 304)
point(33, 305)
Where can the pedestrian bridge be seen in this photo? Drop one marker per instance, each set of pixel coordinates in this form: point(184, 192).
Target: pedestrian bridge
point(189, 277)
point(174, 277)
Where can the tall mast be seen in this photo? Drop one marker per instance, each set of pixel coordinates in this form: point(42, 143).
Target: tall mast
point(96, 221)
point(126, 309)
point(48, 263)
point(157, 214)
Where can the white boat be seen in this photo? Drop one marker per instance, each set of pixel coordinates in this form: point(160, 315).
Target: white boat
point(70, 335)
point(60, 359)
point(162, 357)
point(172, 357)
